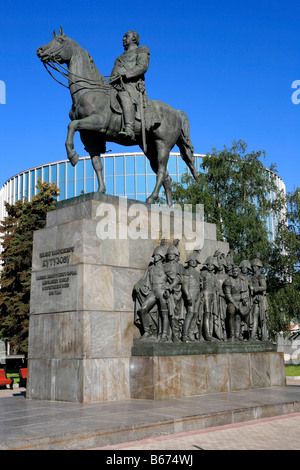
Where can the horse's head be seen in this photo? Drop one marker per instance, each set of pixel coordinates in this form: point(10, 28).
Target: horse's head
point(57, 50)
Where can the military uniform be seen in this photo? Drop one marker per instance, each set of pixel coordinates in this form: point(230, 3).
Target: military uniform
point(233, 289)
point(191, 286)
point(260, 305)
point(154, 284)
point(128, 78)
point(173, 270)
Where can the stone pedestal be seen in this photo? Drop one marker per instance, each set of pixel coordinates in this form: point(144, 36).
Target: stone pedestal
point(159, 371)
point(85, 263)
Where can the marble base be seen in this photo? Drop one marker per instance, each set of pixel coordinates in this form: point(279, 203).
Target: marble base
point(81, 326)
point(165, 377)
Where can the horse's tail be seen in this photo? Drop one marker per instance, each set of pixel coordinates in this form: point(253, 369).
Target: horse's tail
point(185, 144)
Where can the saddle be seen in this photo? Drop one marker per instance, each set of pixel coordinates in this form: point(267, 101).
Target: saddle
point(116, 107)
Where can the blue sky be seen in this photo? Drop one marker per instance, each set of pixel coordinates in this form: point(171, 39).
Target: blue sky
point(228, 64)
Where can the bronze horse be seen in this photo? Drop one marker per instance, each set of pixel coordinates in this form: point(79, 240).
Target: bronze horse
point(98, 122)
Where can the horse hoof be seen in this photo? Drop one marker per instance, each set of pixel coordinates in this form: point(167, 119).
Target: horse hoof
point(150, 200)
point(101, 190)
point(73, 157)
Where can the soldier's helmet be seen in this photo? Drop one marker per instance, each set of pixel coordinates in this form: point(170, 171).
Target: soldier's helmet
point(192, 256)
point(245, 263)
point(211, 260)
point(257, 262)
point(159, 251)
point(173, 250)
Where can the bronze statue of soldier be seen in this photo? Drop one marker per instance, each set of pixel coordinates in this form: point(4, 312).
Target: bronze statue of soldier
point(156, 280)
point(209, 296)
point(128, 78)
point(245, 270)
point(234, 293)
point(258, 288)
point(173, 270)
point(191, 287)
point(219, 319)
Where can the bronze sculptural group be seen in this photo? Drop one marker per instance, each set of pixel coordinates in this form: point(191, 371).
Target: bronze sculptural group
point(118, 110)
point(219, 301)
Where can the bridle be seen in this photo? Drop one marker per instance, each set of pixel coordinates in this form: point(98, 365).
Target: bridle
point(93, 85)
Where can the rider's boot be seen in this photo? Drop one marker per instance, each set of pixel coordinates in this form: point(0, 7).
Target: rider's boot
point(128, 132)
point(128, 115)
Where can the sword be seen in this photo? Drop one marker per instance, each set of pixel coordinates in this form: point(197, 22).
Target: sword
point(143, 123)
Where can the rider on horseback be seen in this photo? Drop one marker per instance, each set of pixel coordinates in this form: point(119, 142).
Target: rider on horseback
point(128, 78)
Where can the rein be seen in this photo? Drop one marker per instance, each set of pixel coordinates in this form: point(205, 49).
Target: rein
point(45, 65)
point(93, 83)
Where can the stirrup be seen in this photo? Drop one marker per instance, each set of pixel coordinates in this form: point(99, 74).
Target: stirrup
point(127, 132)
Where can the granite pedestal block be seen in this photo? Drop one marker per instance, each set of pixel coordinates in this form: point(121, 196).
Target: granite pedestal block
point(85, 263)
point(164, 377)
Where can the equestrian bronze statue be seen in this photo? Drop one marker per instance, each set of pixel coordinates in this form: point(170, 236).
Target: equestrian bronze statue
point(118, 110)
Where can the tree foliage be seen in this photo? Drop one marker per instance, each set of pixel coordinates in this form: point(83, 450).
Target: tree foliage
point(234, 188)
point(22, 219)
point(284, 271)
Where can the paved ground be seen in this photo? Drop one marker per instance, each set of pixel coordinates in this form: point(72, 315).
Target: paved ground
point(277, 433)
point(255, 419)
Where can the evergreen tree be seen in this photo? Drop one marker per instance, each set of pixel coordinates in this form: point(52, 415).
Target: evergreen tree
point(22, 219)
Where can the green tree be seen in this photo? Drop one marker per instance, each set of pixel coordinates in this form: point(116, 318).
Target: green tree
point(22, 219)
point(233, 186)
point(284, 267)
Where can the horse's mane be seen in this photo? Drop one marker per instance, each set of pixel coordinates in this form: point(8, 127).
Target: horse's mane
point(96, 73)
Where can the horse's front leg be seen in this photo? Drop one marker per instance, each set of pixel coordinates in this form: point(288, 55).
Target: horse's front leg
point(90, 123)
point(72, 155)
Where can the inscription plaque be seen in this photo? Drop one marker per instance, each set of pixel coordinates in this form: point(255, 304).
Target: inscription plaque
point(55, 282)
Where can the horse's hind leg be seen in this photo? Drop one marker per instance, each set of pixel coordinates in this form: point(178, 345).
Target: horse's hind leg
point(94, 144)
point(159, 161)
point(97, 165)
point(167, 184)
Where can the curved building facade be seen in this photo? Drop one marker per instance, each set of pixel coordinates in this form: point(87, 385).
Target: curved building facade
point(126, 174)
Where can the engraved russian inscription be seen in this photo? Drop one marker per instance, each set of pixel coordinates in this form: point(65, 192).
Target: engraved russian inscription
point(54, 283)
point(53, 258)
